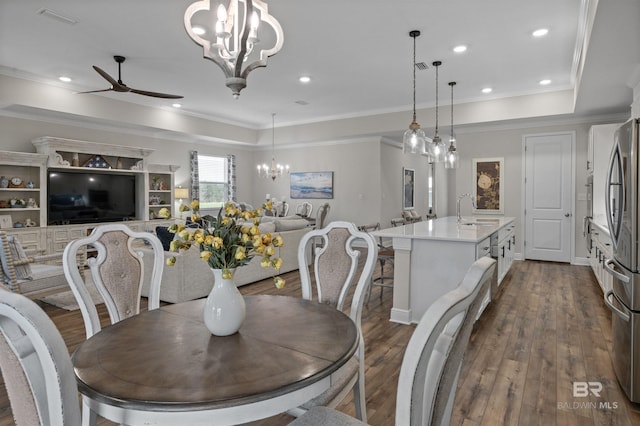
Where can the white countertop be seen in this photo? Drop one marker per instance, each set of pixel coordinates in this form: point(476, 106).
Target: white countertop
point(601, 223)
point(472, 229)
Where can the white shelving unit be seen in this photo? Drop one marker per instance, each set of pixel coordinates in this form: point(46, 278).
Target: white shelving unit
point(24, 222)
point(66, 154)
point(160, 189)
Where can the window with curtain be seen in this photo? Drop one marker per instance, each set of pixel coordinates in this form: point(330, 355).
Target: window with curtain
point(213, 180)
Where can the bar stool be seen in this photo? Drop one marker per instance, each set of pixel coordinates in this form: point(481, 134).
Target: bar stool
point(385, 257)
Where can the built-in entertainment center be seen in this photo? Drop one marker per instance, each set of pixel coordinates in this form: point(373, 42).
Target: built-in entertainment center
point(69, 186)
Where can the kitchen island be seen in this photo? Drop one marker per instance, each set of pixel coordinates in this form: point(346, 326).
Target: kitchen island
point(431, 257)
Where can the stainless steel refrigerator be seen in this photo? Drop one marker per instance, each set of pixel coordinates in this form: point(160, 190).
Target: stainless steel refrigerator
point(623, 218)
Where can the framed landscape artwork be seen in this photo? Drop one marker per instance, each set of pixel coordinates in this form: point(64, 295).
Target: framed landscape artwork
point(408, 188)
point(306, 185)
point(488, 186)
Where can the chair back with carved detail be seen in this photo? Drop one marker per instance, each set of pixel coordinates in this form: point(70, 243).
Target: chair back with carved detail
point(337, 268)
point(322, 214)
point(304, 209)
point(35, 365)
point(117, 271)
point(433, 357)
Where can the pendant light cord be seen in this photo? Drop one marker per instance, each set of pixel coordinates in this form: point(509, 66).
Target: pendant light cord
point(273, 137)
point(452, 84)
point(414, 79)
point(437, 66)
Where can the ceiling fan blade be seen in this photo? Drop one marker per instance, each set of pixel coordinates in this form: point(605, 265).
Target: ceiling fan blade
point(155, 94)
point(94, 91)
point(118, 87)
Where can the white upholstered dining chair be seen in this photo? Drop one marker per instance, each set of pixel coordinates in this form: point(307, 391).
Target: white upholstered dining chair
point(117, 272)
point(304, 209)
point(336, 269)
point(433, 358)
point(35, 365)
point(321, 215)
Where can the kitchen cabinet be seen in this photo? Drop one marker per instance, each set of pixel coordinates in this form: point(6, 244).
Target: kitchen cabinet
point(432, 257)
point(504, 250)
point(601, 251)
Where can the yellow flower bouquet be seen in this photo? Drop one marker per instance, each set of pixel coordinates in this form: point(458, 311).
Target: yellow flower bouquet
point(229, 240)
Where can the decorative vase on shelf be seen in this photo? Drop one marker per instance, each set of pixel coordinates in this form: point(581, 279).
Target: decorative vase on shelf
point(224, 310)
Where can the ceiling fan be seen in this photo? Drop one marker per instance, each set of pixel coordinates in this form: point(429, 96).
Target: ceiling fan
point(119, 86)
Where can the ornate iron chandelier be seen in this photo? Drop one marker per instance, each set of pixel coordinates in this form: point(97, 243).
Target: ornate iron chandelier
point(231, 43)
point(276, 170)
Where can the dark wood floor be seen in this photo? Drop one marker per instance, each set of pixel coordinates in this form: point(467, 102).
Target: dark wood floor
point(548, 329)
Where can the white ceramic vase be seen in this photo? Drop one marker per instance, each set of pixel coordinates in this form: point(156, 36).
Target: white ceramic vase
point(224, 310)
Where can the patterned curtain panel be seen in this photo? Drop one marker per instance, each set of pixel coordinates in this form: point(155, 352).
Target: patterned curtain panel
point(195, 176)
point(231, 178)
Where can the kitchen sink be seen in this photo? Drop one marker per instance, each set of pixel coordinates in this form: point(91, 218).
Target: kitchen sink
point(480, 222)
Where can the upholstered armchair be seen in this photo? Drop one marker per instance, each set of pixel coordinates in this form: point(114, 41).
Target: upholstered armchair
point(33, 276)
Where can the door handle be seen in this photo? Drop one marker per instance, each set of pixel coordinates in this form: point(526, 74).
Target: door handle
point(624, 315)
point(616, 274)
point(567, 214)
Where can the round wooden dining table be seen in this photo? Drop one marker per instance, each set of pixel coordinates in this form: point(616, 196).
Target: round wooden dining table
point(163, 367)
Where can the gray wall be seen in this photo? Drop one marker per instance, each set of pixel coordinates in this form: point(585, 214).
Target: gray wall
point(367, 172)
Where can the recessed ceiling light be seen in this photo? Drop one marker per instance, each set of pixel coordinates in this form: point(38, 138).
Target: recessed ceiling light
point(487, 90)
point(64, 78)
point(305, 79)
point(540, 32)
point(460, 49)
point(545, 82)
point(176, 105)
point(198, 30)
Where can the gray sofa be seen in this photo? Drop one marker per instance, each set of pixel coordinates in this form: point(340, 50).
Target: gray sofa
point(190, 278)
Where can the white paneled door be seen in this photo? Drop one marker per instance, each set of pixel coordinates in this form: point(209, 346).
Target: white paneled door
point(548, 196)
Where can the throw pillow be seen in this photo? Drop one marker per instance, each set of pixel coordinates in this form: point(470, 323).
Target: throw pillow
point(165, 237)
point(23, 272)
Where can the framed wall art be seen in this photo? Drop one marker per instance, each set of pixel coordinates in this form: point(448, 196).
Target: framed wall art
point(408, 188)
point(488, 186)
point(307, 185)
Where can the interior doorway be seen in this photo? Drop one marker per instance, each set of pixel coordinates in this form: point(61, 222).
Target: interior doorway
point(549, 186)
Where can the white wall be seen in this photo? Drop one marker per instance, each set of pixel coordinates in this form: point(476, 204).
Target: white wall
point(17, 134)
point(367, 172)
point(507, 143)
point(356, 177)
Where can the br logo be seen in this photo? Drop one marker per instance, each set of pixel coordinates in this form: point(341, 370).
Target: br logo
point(582, 389)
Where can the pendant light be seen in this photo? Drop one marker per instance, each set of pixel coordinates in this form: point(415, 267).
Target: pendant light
point(276, 170)
point(451, 157)
point(436, 147)
point(413, 141)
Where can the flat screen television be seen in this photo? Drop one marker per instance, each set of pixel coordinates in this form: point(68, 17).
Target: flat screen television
point(76, 196)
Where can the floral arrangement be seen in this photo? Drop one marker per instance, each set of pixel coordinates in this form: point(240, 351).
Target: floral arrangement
point(229, 241)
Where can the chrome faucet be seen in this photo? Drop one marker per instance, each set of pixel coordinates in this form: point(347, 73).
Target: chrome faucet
point(473, 203)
